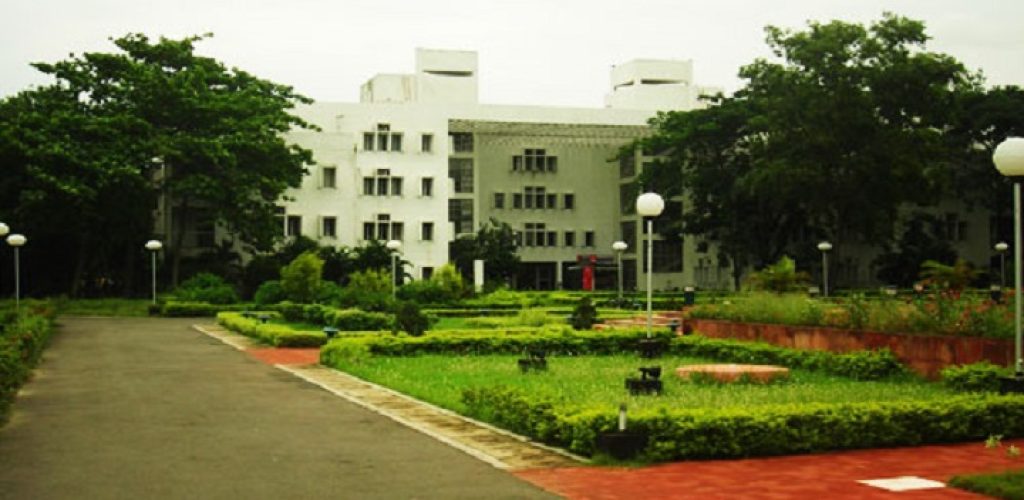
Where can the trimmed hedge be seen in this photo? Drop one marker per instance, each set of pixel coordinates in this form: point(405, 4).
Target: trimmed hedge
point(348, 320)
point(975, 377)
point(270, 333)
point(765, 430)
point(175, 309)
point(23, 336)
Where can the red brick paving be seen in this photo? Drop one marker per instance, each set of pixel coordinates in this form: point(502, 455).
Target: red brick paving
point(830, 475)
point(287, 355)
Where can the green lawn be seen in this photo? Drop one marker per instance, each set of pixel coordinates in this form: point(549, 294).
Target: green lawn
point(1006, 485)
point(598, 381)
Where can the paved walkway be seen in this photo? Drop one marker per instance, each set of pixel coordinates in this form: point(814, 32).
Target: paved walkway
point(150, 408)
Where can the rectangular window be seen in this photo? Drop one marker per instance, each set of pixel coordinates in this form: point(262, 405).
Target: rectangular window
point(460, 170)
point(460, 214)
point(427, 186)
point(569, 201)
point(517, 163)
point(529, 197)
point(534, 160)
point(588, 239)
point(427, 143)
point(427, 231)
point(330, 227)
point(627, 198)
point(382, 142)
point(570, 238)
point(279, 216)
point(552, 163)
point(668, 256)
point(382, 186)
point(368, 141)
point(396, 186)
point(293, 226)
point(368, 186)
point(461, 142)
point(627, 166)
point(517, 200)
point(499, 200)
point(536, 235)
point(629, 235)
point(396, 142)
point(427, 272)
point(330, 177)
point(552, 239)
point(368, 232)
point(517, 236)
point(383, 227)
point(397, 231)
point(552, 200)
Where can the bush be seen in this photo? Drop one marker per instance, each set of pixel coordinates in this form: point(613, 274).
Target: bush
point(300, 279)
point(368, 290)
point(409, 319)
point(23, 336)
point(976, 377)
point(206, 287)
point(342, 319)
point(584, 316)
point(270, 333)
point(270, 292)
point(196, 309)
point(779, 277)
point(678, 434)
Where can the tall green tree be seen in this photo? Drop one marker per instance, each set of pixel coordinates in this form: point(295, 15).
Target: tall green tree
point(495, 244)
point(204, 135)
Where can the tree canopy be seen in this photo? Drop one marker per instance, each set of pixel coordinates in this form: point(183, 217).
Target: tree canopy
point(86, 157)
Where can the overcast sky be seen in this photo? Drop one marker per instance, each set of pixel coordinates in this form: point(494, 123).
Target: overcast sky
point(553, 52)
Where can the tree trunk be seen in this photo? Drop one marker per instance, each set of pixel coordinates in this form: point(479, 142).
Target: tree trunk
point(80, 259)
point(178, 239)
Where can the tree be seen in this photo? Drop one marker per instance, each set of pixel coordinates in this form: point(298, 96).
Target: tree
point(918, 243)
point(495, 244)
point(155, 113)
point(300, 279)
point(823, 142)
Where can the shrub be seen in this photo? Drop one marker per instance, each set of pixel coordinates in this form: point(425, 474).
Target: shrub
point(270, 292)
point(23, 336)
point(584, 316)
point(300, 279)
point(369, 290)
point(779, 277)
point(531, 317)
point(975, 377)
point(270, 333)
point(409, 319)
point(206, 287)
point(176, 309)
point(342, 319)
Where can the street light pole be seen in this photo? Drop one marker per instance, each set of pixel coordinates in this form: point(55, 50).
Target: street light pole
point(649, 206)
point(619, 247)
point(4, 229)
point(1002, 247)
point(394, 245)
point(1009, 160)
point(16, 241)
point(824, 247)
point(154, 246)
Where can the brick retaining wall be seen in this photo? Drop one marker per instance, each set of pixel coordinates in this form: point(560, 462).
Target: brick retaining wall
point(925, 354)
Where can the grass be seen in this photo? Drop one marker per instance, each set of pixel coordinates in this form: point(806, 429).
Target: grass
point(598, 381)
point(103, 307)
point(1006, 485)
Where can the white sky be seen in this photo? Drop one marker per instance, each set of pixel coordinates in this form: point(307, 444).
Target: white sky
point(552, 52)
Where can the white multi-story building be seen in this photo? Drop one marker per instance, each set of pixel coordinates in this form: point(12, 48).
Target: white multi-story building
point(420, 160)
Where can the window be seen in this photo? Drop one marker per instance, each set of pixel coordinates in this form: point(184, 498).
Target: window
point(499, 200)
point(427, 143)
point(368, 141)
point(461, 142)
point(534, 160)
point(460, 214)
point(382, 136)
point(383, 228)
point(668, 256)
point(552, 239)
point(279, 215)
point(382, 184)
point(383, 139)
point(427, 231)
point(629, 235)
point(460, 170)
point(569, 201)
point(427, 272)
point(627, 198)
point(627, 166)
point(427, 186)
point(329, 177)
point(535, 234)
point(293, 226)
point(569, 238)
point(517, 200)
point(552, 200)
point(588, 239)
point(396, 142)
point(329, 227)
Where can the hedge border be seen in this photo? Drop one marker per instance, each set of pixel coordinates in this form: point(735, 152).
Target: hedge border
point(270, 333)
point(23, 337)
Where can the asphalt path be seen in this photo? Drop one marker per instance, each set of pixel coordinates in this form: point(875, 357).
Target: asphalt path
point(149, 408)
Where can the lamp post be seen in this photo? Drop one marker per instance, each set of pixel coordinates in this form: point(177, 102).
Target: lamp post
point(1009, 160)
point(394, 245)
point(619, 247)
point(649, 205)
point(16, 241)
point(4, 229)
point(824, 247)
point(154, 246)
point(1002, 247)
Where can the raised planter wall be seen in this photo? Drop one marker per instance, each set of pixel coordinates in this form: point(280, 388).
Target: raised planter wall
point(925, 354)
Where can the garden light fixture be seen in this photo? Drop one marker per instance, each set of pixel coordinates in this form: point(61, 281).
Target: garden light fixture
point(1002, 247)
point(825, 247)
point(17, 241)
point(1009, 160)
point(619, 247)
point(649, 205)
point(394, 246)
point(154, 246)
